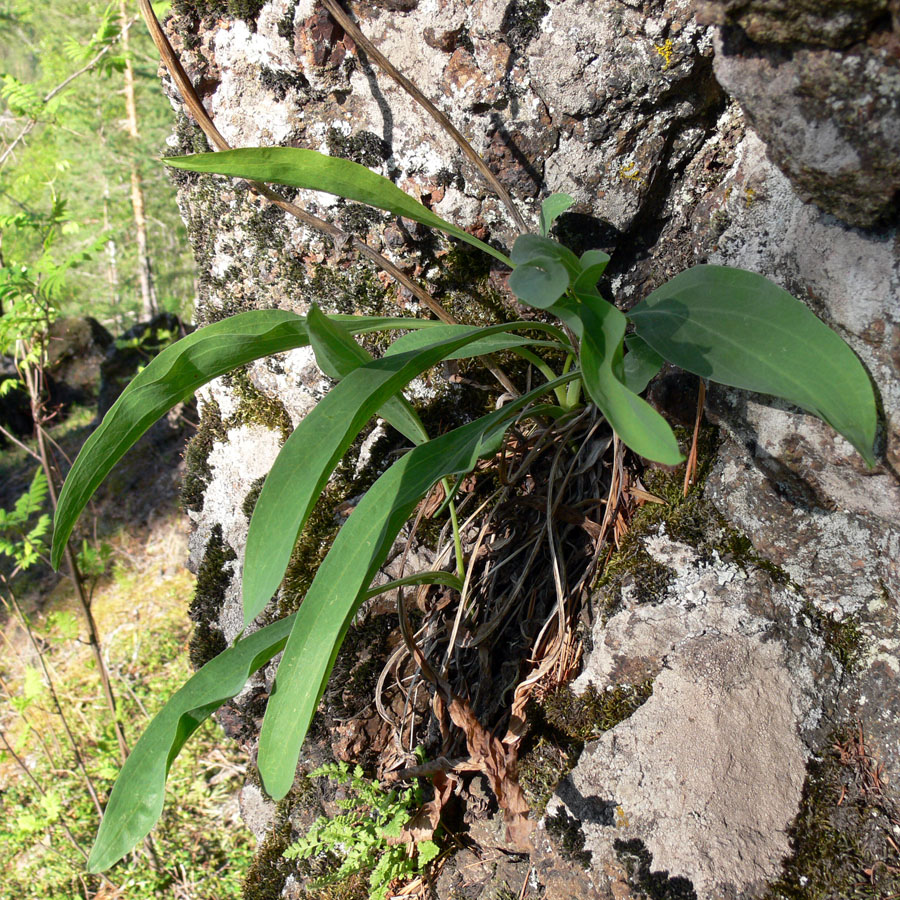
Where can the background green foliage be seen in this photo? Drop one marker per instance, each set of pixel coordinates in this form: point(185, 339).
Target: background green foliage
point(81, 153)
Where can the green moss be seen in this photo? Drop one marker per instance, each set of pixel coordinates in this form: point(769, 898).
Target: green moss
point(239, 9)
point(249, 503)
point(569, 836)
point(586, 716)
point(279, 82)
point(189, 138)
point(542, 765)
point(255, 407)
point(266, 877)
point(269, 870)
point(691, 520)
point(522, 21)
point(844, 638)
point(353, 887)
point(351, 291)
point(355, 218)
point(286, 26)
point(213, 578)
point(839, 849)
point(197, 473)
point(561, 724)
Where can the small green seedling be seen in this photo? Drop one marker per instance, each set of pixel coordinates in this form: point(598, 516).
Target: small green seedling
point(723, 324)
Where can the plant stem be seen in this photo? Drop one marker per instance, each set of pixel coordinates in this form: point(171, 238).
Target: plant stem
point(457, 541)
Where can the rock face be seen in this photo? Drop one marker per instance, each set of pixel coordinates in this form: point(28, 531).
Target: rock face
point(762, 134)
point(821, 86)
point(76, 346)
point(708, 773)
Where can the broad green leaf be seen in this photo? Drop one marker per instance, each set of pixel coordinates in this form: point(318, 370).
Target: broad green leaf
point(552, 208)
point(640, 426)
point(338, 355)
point(532, 247)
point(136, 800)
point(359, 550)
point(740, 329)
point(172, 377)
point(593, 264)
point(642, 363)
point(540, 282)
point(296, 167)
point(310, 454)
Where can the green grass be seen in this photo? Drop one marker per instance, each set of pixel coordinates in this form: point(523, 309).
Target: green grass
point(203, 846)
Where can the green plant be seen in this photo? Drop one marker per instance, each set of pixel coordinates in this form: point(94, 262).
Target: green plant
point(366, 836)
point(728, 325)
point(22, 537)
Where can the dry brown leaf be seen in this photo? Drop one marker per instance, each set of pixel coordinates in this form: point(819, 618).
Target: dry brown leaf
point(422, 825)
point(499, 766)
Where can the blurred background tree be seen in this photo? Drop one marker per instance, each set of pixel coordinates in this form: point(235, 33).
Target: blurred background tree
point(82, 119)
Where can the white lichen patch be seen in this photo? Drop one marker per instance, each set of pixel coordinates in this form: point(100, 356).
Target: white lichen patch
point(294, 378)
point(247, 455)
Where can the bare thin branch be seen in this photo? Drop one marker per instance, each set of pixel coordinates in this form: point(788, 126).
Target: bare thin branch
point(30, 124)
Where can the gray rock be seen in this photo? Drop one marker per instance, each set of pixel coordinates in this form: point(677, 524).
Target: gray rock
point(829, 23)
point(830, 120)
point(707, 775)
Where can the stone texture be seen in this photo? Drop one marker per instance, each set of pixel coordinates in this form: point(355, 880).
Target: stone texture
point(708, 773)
point(829, 23)
point(830, 119)
point(76, 346)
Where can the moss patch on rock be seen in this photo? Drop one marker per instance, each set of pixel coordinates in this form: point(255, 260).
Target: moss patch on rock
point(197, 473)
point(569, 836)
point(561, 724)
point(239, 9)
point(213, 578)
point(840, 838)
point(690, 519)
point(586, 716)
point(255, 407)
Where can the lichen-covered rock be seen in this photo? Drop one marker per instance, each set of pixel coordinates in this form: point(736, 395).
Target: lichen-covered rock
point(830, 120)
point(707, 774)
point(829, 23)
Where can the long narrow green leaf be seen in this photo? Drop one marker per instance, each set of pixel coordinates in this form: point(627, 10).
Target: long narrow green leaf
point(740, 329)
point(296, 167)
point(310, 454)
point(481, 347)
point(172, 377)
point(136, 800)
point(637, 423)
point(338, 355)
point(340, 584)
